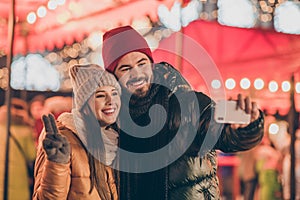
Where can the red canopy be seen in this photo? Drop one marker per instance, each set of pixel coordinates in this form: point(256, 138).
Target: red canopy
point(71, 21)
point(210, 49)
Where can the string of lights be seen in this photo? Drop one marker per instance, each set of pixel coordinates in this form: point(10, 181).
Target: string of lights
point(240, 13)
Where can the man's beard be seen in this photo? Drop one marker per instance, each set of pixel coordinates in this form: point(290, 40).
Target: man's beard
point(142, 92)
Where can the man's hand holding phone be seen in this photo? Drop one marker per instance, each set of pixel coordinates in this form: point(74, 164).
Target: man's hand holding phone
point(238, 113)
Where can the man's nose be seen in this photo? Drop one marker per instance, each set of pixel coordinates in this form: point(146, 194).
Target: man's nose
point(135, 71)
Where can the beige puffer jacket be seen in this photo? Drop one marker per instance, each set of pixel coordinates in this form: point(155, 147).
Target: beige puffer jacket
point(67, 181)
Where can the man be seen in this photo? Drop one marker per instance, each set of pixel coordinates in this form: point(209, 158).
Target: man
point(160, 110)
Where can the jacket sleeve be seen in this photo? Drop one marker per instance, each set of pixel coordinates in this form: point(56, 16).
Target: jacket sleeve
point(241, 139)
point(52, 180)
point(221, 136)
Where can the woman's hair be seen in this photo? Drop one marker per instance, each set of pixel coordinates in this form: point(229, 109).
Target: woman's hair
point(95, 149)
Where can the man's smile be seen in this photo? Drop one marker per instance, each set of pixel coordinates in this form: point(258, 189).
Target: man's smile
point(137, 83)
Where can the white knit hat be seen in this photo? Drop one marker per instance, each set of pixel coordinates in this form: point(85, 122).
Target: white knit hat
point(86, 79)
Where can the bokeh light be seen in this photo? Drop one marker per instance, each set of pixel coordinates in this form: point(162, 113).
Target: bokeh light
point(216, 84)
point(285, 86)
point(259, 84)
point(273, 86)
point(230, 83)
point(245, 83)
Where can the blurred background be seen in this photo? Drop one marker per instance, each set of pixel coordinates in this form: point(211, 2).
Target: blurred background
point(253, 45)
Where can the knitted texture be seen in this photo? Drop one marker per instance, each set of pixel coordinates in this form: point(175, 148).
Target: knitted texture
point(86, 79)
point(120, 41)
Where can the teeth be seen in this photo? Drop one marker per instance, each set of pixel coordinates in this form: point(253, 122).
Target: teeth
point(109, 111)
point(138, 83)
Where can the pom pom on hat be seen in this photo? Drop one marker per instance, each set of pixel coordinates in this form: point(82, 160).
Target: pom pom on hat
point(120, 41)
point(86, 79)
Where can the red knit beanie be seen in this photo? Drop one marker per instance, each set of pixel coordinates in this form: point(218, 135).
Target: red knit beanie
point(120, 41)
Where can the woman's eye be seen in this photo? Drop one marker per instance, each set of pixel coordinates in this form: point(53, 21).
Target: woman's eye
point(115, 93)
point(100, 96)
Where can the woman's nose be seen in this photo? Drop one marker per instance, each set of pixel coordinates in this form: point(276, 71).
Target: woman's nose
point(108, 99)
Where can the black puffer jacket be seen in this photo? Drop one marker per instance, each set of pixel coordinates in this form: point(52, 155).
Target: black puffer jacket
point(192, 137)
point(193, 175)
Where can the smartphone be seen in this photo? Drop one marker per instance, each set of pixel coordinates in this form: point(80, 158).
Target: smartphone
point(226, 112)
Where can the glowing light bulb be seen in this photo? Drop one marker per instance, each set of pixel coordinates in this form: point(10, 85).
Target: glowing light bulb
point(259, 84)
point(52, 5)
point(285, 86)
point(42, 11)
point(273, 128)
point(31, 17)
point(245, 83)
point(297, 87)
point(230, 83)
point(273, 86)
point(216, 84)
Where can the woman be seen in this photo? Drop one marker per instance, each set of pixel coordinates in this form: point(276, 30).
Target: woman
point(74, 156)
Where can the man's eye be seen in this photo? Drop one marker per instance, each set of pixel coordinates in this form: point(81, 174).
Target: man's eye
point(142, 64)
point(124, 69)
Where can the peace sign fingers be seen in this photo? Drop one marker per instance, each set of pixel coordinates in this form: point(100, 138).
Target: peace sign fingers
point(50, 125)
